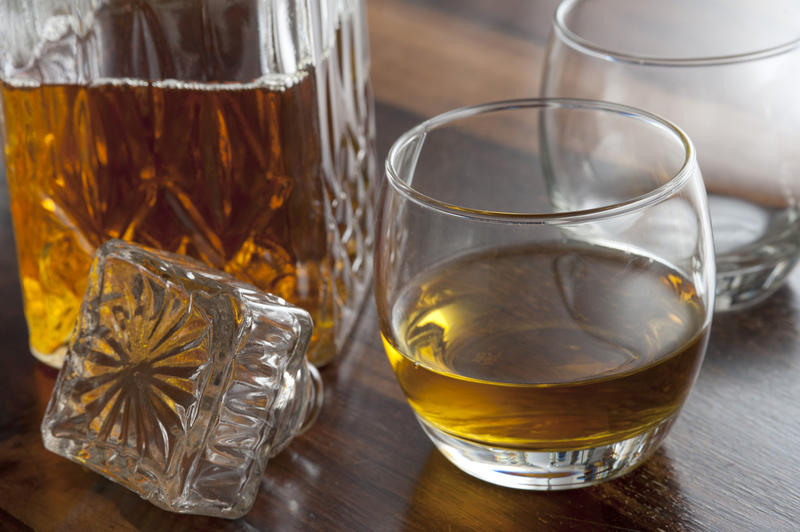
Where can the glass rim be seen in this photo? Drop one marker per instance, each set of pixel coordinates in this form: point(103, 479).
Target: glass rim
point(587, 47)
point(655, 195)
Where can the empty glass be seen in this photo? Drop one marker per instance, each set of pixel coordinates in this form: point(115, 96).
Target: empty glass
point(728, 73)
point(544, 284)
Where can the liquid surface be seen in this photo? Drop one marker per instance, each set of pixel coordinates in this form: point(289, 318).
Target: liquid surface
point(550, 348)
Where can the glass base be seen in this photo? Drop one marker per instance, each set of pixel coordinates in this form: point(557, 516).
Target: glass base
point(756, 248)
point(744, 287)
point(548, 470)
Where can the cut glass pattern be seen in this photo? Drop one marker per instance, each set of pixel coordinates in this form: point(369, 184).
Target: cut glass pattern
point(254, 155)
point(180, 381)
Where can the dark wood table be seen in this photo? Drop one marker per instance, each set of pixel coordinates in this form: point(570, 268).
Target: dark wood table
point(732, 461)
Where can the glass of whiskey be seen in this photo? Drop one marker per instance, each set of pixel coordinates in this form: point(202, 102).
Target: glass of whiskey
point(180, 381)
point(545, 285)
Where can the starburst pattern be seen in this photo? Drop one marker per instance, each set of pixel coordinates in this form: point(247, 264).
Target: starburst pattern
point(180, 381)
point(145, 360)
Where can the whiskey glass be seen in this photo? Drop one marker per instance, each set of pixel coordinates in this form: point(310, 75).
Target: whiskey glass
point(725, 72)
point(544, 285)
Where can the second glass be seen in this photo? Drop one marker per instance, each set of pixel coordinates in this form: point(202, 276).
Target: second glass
point(544, 284)
point(727, 73)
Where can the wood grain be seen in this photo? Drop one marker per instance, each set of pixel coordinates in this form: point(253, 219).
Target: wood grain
point(729, 464)
point(430, 60)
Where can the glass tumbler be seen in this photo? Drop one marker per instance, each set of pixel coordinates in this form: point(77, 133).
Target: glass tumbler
point(727, 72)
point(544, 285)
point(239, 133)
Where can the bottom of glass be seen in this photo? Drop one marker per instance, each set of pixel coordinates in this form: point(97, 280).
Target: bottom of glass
point(739, 288)
point(548, 470)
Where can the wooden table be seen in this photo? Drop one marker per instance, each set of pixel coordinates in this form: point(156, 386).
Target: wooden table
point(732, 461)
